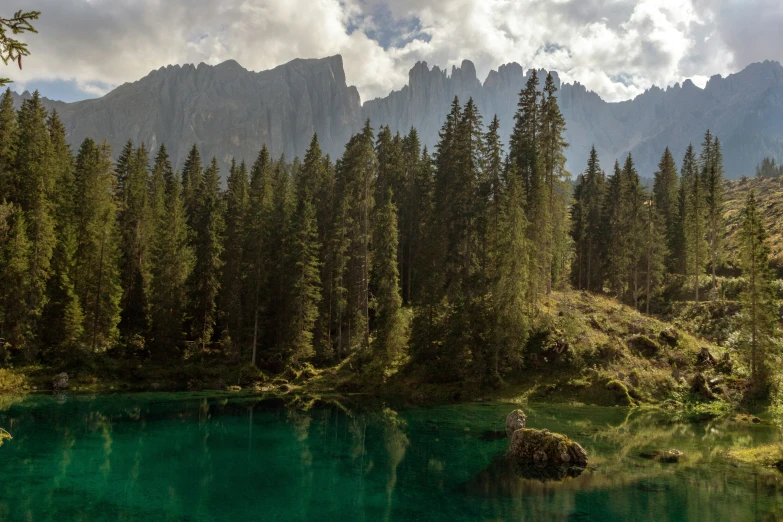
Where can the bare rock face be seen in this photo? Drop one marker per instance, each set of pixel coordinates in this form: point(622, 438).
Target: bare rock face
point(60, 382)
point(515, 421)
point(228, 111)
point(542, 448)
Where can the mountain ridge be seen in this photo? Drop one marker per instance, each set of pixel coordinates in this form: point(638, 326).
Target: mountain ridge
point(230, 111)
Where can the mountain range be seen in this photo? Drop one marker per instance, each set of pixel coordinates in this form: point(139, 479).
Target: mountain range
point(229, 111)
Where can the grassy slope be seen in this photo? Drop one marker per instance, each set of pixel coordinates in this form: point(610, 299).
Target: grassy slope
point(615, 356)
point(769, 193)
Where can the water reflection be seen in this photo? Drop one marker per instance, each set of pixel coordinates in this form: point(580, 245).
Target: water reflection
point(196, 457)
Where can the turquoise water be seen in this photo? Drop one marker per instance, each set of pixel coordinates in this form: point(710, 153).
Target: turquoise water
point(202, 458)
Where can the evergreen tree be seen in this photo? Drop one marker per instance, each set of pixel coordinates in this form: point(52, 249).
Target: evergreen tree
point(587, 226)
point(172, 262)
point(303, 276)
point(34, 190)
point(391, 337)
point(15, 327)
point(257, 258)
point(714, 195)
point(208, 248)
point(63, 314)
point(136, 228)
point(615, 237)
point(552, 148)
point(191, 185)
point(96, 261)
point(665, 199)
point(759, 309)
point(8, 144)
point(358, 169)
point(511, 286)
point(695, 226)
point(232, 288)
point(654, 250)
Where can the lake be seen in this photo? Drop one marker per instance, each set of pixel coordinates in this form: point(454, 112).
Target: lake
point(204, 457)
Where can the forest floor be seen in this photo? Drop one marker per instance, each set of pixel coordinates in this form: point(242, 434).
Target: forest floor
point(586, 349)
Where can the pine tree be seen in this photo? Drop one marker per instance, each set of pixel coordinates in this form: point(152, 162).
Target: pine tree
point(492, 190)
point(232, 288)
point(391, 337)
point(525, 152)
point(34, 190)
point(8, 144)
point(666, 189)
point(759, 309)
point(208, 230)
point(15, 327)
point(63, 313)
point(96, 261)
point(172, 262)
point(257, 258)
point(654, 249)
point(714, 194)
point(191, 185)
point(136, 228)
point(614, 239)
point(595, 185)
point(511, 286)
point(303, 276)
point(552, 147)
point(695, 226)
point(358, 169)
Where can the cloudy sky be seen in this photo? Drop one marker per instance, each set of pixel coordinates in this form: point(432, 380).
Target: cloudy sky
point(617, 48)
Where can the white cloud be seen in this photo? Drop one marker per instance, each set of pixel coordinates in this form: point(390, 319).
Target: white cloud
point(617, 48)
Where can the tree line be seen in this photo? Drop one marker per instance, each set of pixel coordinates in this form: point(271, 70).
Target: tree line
point(629, 241)
point(389, 253)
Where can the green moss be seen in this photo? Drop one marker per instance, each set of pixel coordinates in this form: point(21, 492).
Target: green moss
point(4, 435)
point(622, 392)
point(768, 455)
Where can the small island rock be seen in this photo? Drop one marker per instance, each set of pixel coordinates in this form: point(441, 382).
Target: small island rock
point(515, 421)
point(60, 382)
point(540, 447)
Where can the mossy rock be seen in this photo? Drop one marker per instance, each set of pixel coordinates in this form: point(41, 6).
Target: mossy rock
point(623, 396)
point(667, 457)
point(644, 345)
point(530, 446)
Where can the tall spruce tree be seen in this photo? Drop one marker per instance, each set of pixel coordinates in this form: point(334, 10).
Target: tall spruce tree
point(232, 288)
point(552, 148)
point(666, 188)
point(587, 225)
point(34, 181)
point(96, 261)
point(695, 218)
point(171, 265)
point(714, 195)
point(208, 229)
point(63, 313)
point(8, 144)
point(191, 184)
point(511, 285)
point(391, 336)
point(759, 309)
point(136, 228)
point(15, 327)
point(303, 288)
point(257, 256)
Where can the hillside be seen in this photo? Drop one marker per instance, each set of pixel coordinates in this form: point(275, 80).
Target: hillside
point(229, 111)
point(769, 193)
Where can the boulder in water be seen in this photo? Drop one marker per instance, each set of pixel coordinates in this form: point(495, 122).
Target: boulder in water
point(542, 448)
point(60, 382)
point(669, 456)
point(515, 421)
